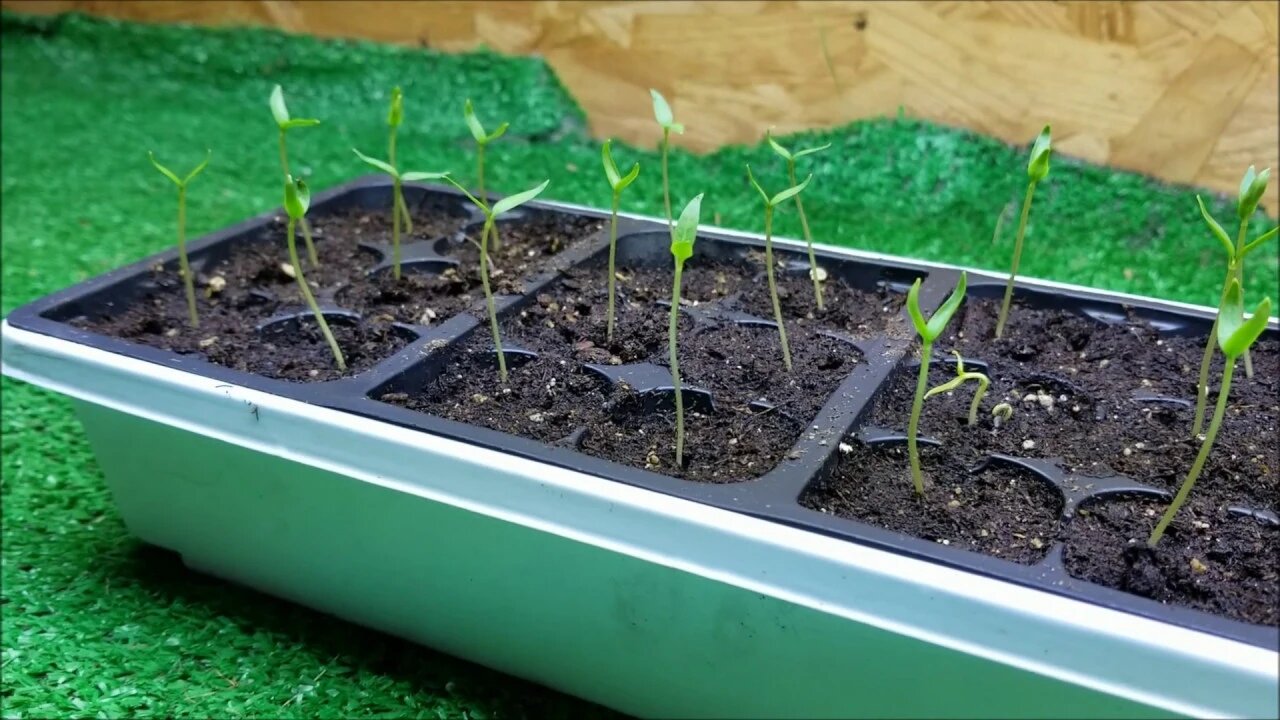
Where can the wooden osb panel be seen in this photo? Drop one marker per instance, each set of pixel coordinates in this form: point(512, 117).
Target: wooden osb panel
point(1185, 91)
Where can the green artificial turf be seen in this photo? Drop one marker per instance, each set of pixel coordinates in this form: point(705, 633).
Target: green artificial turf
point(94, 625)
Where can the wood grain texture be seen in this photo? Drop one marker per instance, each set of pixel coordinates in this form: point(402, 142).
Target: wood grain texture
point(1184, 91)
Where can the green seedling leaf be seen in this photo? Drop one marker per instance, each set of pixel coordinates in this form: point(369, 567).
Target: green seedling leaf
point(1235, 334)
point(396, 114)
point(1251, 189)
point(420, 176)
point(790, 192)
point(939, 321)
point(380, 165)
point(511, 202)
point(297, 198)
point(502, 129)
point(782, 152)
point(1259, 240)
point(1217, 230)
point(812, 150)
point(469, 114)
point(1038, 165)
point(299, 123)
point(618, 183)
point(209, 153)
point(662, 113)
point(686, 231)
point(763, 195)
point(172, 176)
point(913, 308)
point(164, 170)
point(278, 109)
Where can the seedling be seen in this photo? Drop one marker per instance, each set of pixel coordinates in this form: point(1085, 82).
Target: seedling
point(929, 330)
point(1235, 335)
point(1037, 170)
point(285, 123)
point(297, 200)
point(667, 121)
point(791, 158)
point(617, 183)
point(769, 204)
point(682, 238)
point(399, 211)
point(184, 266)
point(961, 376)
point(482, 140)
point(1235, 265)
point(1000, 414)
point(506, 204)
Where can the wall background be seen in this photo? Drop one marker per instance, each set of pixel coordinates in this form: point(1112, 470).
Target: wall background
point(1185, 91)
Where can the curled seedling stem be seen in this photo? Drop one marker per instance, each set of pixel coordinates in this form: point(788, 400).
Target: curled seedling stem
point(1251, 190)
point(491, 213)
point(1037, 169)
point(297, 200)
point(667, 121)
point(284, 123)
point(1235, 335)
point(928, 330)
point(482, 141)
point(1001, 413)
point(399, 211)
point(682, 239)
point(770, 203)
point(961, 376)
point(617, 183)
point(791, 158)
point(184, 266)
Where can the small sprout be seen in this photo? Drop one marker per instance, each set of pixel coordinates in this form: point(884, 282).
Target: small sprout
point(667, 121)
point(482, 140)
point(769, 204)
point(503, 205)
point(399, 210)
point(1236, 253)
point(1037, 170)
point(804, 221)
point(1001, 413)
point(184, 266)
point(682, 239)
point(961, 376)
point(297, 200)
point(617, 183)
point(284, 123)
point(1235, 335)
point(929, 330)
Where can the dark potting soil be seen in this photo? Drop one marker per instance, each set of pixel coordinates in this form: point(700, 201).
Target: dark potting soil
point(757, 408)
point(256, 283)
point(999, 510)
point(1209, 559)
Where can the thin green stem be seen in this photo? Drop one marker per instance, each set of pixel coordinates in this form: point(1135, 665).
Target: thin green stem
point(808, 238)
point(488, 296)
point(480, 171)
point(306, 229)
point(187, 280)
point(675, 363)
point(403, 209)
point(395, 228)
point(913, 425)
point(1202, 383)
point(284, 156)
point(613, 247)
point(1218, 411)
point(1017, 260)
point(391, 146)
point(311, 301)
point(666, 184)
point(983, 382)
point(773, 287)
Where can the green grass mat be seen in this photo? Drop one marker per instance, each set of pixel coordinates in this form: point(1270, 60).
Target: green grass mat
point(92, 625)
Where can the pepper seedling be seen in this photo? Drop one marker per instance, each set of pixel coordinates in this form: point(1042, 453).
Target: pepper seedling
point(617, 183)
point(297, 200)
point(961, 377)
point(1235, 335)
point(506, 204)
point(399, 210)
point(482, 140)
point(791, 158)
point(395, 116)
point(184, 266)
point(769, 204)
point(284, 124)
point(929, 330)
point(1037, 170)
point(682, 239)
point(1001, 413)
point(1235, 262)
point(667, 121)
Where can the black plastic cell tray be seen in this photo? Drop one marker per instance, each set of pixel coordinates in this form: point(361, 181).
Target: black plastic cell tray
point(775, 495)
